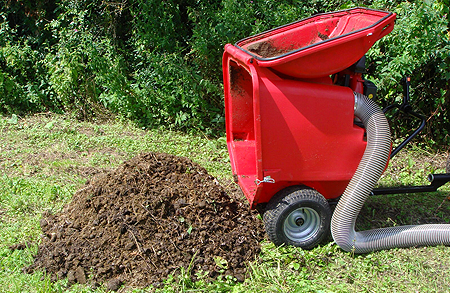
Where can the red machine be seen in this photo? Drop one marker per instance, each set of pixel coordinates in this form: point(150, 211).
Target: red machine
point(290, 122)
point(292, 135)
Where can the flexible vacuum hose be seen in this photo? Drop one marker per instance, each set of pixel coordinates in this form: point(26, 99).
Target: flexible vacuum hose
point(360, 186)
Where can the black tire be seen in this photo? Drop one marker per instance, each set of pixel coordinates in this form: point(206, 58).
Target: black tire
point(297, 216)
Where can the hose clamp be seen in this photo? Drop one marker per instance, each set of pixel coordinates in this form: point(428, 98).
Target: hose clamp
point(356, 101)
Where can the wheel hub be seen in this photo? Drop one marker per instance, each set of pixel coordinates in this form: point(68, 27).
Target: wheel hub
point(301, 224)
point(299, 221)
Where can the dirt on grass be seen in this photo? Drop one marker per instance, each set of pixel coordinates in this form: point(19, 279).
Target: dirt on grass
point(150, 217)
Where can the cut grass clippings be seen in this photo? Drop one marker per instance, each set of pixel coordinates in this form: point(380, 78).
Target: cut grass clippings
point(44, 159)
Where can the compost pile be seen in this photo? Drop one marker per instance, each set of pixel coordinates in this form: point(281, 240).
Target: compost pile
point(153, 215)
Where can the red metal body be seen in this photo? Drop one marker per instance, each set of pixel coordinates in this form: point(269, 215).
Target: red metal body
point(286, 122)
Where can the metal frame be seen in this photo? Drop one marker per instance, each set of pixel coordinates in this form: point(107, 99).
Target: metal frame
point(436, 180)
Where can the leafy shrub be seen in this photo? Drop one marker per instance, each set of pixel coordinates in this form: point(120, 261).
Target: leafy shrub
point(83, 70)
point(23, 84)
point(419, 46)
point(171, 93)
point(161, 26)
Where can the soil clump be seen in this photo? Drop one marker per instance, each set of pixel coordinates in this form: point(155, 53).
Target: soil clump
point(153, 215)
point(266, 49)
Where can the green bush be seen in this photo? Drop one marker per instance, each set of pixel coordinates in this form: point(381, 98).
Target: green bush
point(84, 71)
point(159, 62)
point(171, 92)
point(22, 78)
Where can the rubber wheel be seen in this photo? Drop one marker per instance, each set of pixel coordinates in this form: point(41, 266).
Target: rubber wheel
point(297, 216)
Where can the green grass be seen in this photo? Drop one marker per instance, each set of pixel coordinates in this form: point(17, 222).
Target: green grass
point(44, 159)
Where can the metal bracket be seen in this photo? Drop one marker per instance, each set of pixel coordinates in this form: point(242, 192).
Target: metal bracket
point(405, 108)
point(436, 181)
point(266, 179)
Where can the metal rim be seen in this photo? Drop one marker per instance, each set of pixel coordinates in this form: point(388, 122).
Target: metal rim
point(301, 224)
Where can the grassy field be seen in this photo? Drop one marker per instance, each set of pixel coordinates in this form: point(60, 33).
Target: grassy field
point(44, 159)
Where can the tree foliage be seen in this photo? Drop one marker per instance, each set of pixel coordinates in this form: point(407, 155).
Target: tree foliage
point(159, 62)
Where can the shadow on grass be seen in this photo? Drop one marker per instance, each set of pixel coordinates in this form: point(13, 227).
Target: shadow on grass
point(404, 209)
